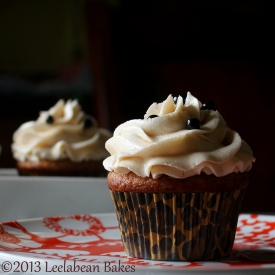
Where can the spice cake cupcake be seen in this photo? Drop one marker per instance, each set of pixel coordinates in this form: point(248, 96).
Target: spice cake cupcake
point(63, 141)
point(177, 179)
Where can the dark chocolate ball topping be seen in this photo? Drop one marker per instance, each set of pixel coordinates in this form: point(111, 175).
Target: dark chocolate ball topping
point(209, 105)
point(175, 98)
point(49, 119)
point(152, 116)
point(88, 123)
point(193, 123)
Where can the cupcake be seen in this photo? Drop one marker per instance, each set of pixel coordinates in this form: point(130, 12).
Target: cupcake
point(63, 141)
point(177, 179)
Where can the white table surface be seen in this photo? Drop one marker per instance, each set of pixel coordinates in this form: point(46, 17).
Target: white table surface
point(23, 197)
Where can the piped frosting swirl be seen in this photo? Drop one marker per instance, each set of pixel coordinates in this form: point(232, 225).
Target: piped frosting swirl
point(163, 144)
point(62, 132)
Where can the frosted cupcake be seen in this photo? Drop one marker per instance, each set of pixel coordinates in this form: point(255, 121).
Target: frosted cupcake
point(63, 141)
point(177, 179)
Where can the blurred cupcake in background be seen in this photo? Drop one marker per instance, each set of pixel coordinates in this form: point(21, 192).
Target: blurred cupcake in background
point(63, 141)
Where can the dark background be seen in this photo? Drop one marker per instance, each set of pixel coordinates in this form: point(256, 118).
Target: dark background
point(139, 52)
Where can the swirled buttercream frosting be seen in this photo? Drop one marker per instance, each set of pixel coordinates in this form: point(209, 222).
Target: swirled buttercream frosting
point(163, 143)
point(62, 132)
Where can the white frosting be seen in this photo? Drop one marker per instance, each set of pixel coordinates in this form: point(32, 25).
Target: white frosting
point(65, 138)
point(163, 145)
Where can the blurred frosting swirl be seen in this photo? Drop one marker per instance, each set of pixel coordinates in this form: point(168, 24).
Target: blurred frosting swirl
point(163, 145)
point(62, 132)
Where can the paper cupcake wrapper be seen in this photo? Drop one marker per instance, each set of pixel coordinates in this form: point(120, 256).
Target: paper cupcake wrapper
point(178, 226)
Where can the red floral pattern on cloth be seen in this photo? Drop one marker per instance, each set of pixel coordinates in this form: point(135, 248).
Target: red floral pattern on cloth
point(6, 237)
point(255, 232)
point(95, 226)
point(95, 238)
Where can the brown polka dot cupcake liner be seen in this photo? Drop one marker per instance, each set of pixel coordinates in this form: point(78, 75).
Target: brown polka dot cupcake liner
point(178, 226)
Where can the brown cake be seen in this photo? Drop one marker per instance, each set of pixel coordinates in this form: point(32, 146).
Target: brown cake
point(60, 168)
point(165, 184)
point(177, 179)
